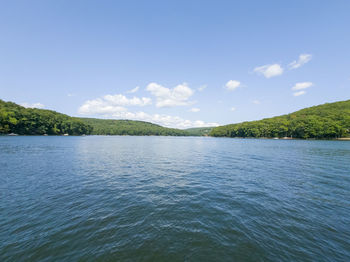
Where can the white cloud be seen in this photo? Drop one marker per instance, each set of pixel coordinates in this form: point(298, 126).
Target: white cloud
point(166, 97)
point(134, 90)
point(114, 106)
point(34, 105)
point(257, 102)
point(170, 121)
point(110, 104)
point(232, 85)
point(201, 88)
point(269, 70)
point(122, 100)
point(194, 110)
point(299, 93)
point(233, 109)
point(70, 95)
point(303, 59)
point(163, 120)
point(99, 107)
point(302, 85)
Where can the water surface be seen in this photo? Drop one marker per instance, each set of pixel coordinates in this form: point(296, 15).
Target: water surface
point(173, 199)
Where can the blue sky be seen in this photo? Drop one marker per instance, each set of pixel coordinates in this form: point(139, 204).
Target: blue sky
point(175, 63)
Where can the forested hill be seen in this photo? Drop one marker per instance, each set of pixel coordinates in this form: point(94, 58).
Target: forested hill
point(331, 120)
point(199, 131)
point(129, 127)
point(31, 121)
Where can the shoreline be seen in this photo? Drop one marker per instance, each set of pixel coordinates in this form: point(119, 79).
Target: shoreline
point(269, 138)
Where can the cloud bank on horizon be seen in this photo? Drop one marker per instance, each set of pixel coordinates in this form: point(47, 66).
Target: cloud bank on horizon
point(118, 105)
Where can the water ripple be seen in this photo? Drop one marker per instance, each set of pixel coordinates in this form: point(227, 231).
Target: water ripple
point(173, 199)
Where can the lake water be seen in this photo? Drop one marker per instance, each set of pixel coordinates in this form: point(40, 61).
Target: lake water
point(173, 199)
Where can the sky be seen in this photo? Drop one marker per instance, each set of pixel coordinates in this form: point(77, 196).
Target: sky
point(175, 63)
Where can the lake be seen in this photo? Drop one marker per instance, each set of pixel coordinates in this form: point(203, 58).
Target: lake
point(122, 198)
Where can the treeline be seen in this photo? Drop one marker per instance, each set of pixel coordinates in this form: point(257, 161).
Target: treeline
point(199, 131)
point(31, 121)
point(130, 127)
point(331, 120)
point(324, 121)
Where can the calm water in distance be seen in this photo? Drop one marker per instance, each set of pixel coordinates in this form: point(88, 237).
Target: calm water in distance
point(100, 198)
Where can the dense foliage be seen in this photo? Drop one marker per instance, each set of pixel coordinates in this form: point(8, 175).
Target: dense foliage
point(331, 120)
point(199, 131)
point(129, 127)
point(31, 121)
point(324, 121)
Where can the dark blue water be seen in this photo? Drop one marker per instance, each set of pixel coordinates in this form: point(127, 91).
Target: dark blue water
point(173, 199)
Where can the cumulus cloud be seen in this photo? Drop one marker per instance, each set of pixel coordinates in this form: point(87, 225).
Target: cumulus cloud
point(233, 109)
point(134, 90)
point(122, 100)
point(300, 88)
point(161, 119)
point(269, 70)
point(171, 121)
point(33, 105)
point(166, 97)
point(303, 59)
point(302, 85)
point(299, 93)
point(111, 104)
point(232, 85)
point(115, 106)
point(194, 110)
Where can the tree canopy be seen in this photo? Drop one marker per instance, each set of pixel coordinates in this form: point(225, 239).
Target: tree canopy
point(331, 120)
point(129, 127)
point(31, 121)
point(199, 131)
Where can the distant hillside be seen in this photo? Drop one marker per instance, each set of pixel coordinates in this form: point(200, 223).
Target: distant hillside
point(31, 121)
point(199, 131)
point(331, 120)
point(129, 127)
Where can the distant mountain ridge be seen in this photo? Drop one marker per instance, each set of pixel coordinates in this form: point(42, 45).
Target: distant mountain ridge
point(327, 121)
